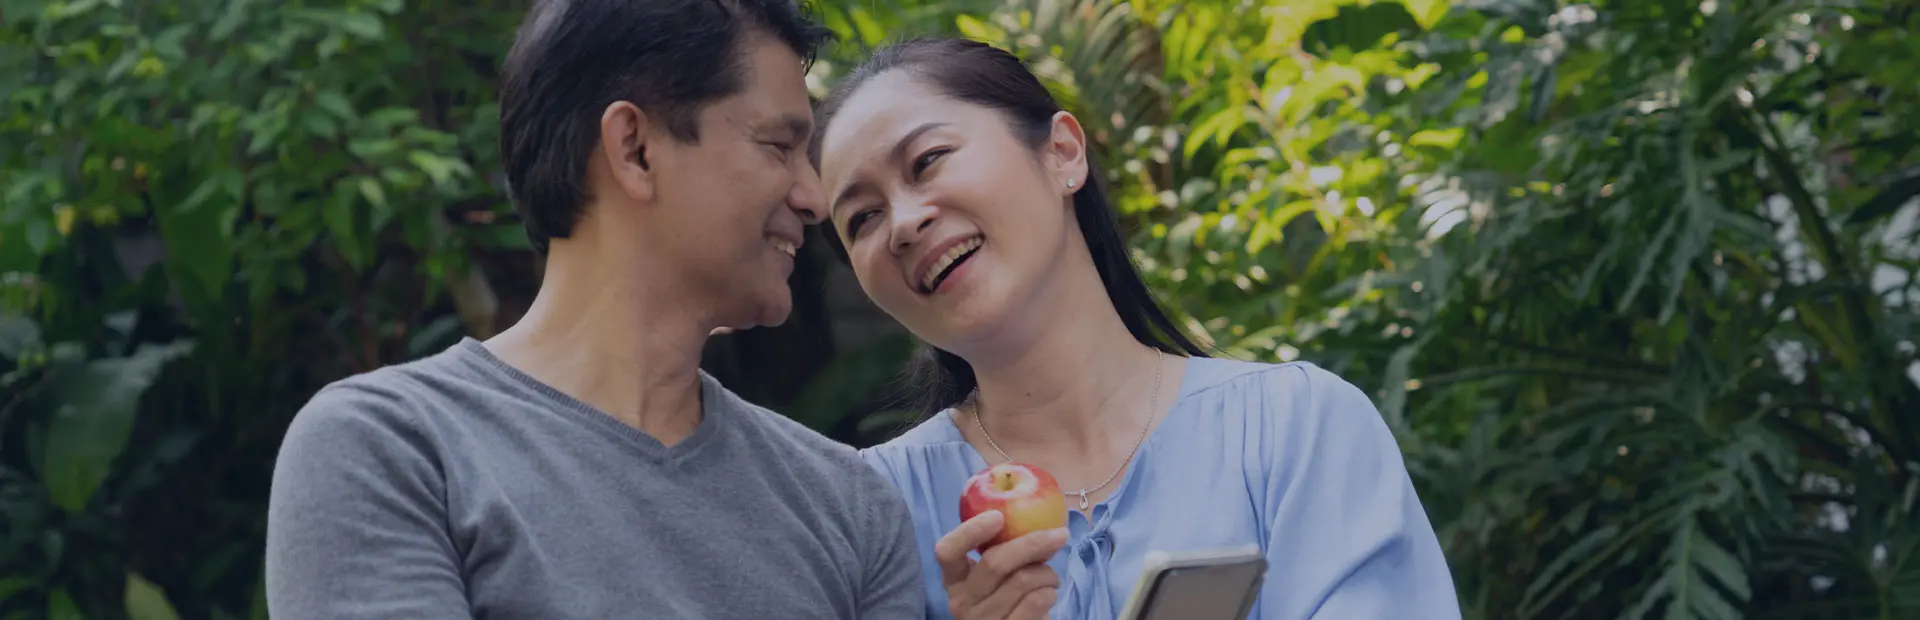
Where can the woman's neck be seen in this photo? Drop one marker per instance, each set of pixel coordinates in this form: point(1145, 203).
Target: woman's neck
point(1072, 383)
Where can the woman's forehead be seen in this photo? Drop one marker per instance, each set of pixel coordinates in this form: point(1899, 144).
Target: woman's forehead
point(880, 101)
point(886, 109)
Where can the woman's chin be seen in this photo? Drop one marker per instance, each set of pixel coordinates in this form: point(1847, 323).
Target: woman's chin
point(974, 326)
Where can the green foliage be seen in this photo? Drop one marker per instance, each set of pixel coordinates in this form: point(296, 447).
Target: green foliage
point(211, 209)
point(1634, 283)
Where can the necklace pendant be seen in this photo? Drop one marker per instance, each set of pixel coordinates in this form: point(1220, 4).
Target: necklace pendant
point(1083, 500)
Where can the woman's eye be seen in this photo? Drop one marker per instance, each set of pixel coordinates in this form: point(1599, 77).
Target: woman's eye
point(921, 163)
point(858, 221)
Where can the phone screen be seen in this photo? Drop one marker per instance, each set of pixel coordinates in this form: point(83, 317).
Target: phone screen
point(1203, 592)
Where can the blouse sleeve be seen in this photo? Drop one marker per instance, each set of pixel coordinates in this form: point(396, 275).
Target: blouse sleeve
point(1348, 537)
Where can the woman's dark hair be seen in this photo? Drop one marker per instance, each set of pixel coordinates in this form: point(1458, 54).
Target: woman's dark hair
point(984, 75)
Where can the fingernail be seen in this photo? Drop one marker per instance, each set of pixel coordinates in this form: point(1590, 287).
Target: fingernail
point(1059, 535)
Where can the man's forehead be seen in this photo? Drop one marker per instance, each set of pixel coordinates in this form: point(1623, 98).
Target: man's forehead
point(775, 80)
point(760, 111)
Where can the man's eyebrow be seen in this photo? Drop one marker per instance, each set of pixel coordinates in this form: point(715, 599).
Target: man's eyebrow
point(790, 126)
point(898, 151)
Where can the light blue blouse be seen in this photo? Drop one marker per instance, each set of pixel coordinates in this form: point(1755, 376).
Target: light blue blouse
point(1289, 457)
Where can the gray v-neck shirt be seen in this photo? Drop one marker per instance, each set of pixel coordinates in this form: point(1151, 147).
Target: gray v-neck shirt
point(456, 486)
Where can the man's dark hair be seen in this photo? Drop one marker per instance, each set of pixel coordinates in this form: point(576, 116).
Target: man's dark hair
point(573, 58)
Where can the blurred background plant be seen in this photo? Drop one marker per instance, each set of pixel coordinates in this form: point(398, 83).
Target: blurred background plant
point(1634, 283)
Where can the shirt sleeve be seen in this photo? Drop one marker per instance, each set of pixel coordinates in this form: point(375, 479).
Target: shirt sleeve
point(893, 578)
point(1348, 536)
point(357, 517)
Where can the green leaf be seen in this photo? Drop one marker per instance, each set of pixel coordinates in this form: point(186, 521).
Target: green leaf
point(1180, 239)
point(870, 32)
point(259, 609)
point(171, 42)
point(97, 405)
point(977, 29)
point(231, 17)
point(334, 103)
point(499, 237)
point(391, 116)
point(1890, 199)
point(1394, 406)
point(17, 335)
point(200, 244)
point(443, 170)
point(339, 216)
point(146, 601)
point(1219, 126)
point(14, 585)
point(60, 607)
point(40, 236)
point(370, 188)
point(1437, 138)
point(320, 125)
point(1426, 12)
point(75, 8)
point(364, 25)
point(373, 149)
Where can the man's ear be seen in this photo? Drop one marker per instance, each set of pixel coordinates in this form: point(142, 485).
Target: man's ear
point(624, 130)
point(1067, 153)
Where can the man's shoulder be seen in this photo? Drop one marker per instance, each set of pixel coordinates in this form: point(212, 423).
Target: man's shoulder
point(788, 437)
point(786, 433)
point(395, 396)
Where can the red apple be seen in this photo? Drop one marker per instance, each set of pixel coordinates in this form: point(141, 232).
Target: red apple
point(1026, 496)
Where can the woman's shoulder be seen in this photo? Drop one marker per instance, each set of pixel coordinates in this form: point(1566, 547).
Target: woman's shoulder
point(1220, 375)
point(931, 447)
point(1299, 420)
point(1279, 394)
point(935, 432)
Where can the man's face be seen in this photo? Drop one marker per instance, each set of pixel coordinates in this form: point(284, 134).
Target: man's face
point(730, 211)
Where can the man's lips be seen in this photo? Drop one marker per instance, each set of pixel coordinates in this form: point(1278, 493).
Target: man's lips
point(787, 243)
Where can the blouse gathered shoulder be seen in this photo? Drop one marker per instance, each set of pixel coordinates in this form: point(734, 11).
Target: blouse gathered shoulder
point(1289, 457)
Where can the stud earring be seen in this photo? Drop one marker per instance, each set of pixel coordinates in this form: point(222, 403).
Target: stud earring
point(1069, 182)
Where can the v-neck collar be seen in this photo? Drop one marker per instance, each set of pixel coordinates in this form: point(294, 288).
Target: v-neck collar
point(715, 406)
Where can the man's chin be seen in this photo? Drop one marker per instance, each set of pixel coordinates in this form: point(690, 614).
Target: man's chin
point(775, 316)
point(765, 312)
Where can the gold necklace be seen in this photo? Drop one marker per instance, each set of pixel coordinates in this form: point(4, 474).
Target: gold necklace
point(1153, 411)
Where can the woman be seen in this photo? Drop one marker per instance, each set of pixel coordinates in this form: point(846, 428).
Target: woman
point(970, 210)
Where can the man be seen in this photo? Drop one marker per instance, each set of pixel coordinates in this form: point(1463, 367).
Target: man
point(580, 465)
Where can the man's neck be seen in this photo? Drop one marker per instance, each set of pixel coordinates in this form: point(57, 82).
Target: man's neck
point(614, 339)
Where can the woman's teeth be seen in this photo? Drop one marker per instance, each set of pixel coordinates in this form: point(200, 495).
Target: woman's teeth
point(939, 267)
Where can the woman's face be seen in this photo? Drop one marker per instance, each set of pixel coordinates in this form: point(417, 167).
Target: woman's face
point(953, 224)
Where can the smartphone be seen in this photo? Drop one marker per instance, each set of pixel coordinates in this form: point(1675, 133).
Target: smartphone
point(1214, 584)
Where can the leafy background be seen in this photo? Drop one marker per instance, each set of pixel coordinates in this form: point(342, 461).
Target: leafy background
point(1633, 283)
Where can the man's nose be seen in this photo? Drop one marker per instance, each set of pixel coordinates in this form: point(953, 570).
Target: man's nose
point(808, 198)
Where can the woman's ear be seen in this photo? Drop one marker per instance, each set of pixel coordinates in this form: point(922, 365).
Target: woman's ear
point(1066, 153)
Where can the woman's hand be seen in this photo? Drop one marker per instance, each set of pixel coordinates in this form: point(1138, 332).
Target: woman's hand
point(1011, 580)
